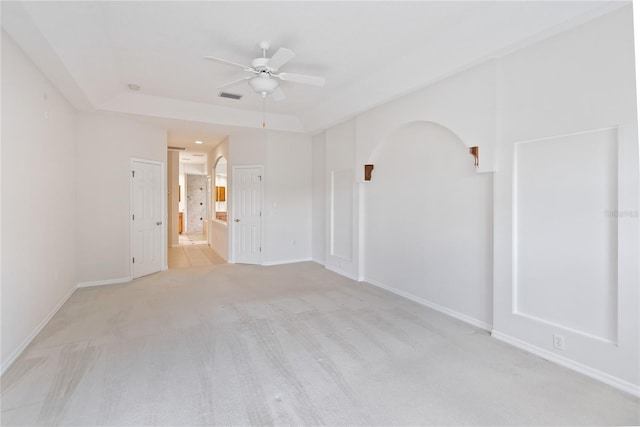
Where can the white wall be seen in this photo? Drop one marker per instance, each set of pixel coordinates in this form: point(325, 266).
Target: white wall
point(428, 222)
point(432, 241)
point(218, 230)
point(342, 191)
point(556, 121)
point(173, 185)
point(319, 199)
point(38, 200)
point(106, 143)
point(288, 198)
point(464, 103)
point(193, 168)
point(286, 201)
point(568, 156)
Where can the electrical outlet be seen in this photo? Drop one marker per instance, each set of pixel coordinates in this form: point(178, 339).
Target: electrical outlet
point(558, 341)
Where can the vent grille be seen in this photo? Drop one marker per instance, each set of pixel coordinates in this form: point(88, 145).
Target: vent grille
point(229, 95)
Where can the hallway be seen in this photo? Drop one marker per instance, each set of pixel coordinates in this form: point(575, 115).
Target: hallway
point(193, 252)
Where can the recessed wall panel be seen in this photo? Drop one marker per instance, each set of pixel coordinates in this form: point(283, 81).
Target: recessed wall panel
point(566, 232)
point(342, 214)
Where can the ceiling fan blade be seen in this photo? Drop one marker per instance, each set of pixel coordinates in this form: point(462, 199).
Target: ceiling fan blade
point(281, 57)
point(278, 95)
point(301, 78)
point(234, 83)
point(224, 61)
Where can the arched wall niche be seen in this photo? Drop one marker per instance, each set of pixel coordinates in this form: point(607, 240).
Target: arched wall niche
point(428, 222)
point(425, 124)
point(466, 104)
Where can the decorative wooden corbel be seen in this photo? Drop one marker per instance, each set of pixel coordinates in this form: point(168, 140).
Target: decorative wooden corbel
point(368, 170)
point(474, 153)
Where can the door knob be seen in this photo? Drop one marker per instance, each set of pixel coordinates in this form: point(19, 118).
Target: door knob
point(236, 220)
point(159, 223)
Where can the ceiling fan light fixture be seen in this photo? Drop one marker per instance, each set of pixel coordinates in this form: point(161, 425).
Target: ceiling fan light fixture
point(263, 84)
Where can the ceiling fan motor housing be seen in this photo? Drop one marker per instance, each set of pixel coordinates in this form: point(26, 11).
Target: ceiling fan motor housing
point(260, 64)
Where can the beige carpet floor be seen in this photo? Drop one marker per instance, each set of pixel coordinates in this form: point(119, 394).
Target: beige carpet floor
point(284, 345)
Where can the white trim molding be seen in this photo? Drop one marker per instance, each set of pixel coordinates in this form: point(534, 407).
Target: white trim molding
point(618, 383)
point(285, 261)
point(104, 282)
point(12, 358)
point(341, 272)
point(445, 310)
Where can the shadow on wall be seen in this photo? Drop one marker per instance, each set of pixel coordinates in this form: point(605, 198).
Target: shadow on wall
point(428, 221)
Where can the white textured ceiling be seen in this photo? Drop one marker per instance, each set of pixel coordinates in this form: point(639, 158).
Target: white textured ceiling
point(369, 53)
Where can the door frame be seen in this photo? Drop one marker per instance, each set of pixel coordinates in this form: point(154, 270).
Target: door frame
point(231, 210)
point(163, 208)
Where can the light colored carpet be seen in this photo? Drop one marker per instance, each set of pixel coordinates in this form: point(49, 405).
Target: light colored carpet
point(285, 345)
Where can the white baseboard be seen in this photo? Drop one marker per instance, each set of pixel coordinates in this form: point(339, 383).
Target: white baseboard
point(568, 363)
point(318, 261)
point(286, 261)
point(445, 310)
point(104, 282)
point(341, 272)
point(17, 352)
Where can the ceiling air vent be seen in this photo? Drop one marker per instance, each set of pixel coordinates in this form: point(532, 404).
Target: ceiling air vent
point(229, 95)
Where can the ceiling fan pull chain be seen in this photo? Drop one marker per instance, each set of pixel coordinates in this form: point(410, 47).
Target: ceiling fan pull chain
point(264, 97)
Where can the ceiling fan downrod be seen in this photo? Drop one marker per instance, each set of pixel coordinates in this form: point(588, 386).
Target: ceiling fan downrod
point(264, 45)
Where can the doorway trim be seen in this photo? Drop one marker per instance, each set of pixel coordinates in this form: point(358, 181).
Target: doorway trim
point(163, 208)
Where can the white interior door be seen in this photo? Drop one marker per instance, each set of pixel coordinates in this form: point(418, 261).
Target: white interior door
point(146, 218)
point(247, 214)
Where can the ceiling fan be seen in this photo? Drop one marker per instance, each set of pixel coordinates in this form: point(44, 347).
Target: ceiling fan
point(265, 72)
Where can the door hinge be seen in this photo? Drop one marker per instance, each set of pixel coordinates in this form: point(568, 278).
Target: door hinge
point(133, 217)
point(259, 248)
point(133, 174)
point(260, 213)
point(260, 177)
point(134, 260)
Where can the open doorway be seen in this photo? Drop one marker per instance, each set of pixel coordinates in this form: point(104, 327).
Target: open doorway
point(194, 186)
